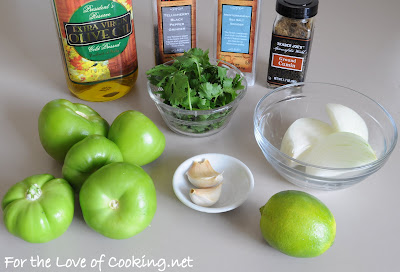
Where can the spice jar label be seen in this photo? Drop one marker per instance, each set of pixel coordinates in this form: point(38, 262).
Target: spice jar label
point(176, 29)
point(236, 32)
point(287, 59)
point(98, 39)
point(287, 62)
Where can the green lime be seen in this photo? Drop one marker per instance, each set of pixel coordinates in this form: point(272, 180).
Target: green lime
point(297, 224)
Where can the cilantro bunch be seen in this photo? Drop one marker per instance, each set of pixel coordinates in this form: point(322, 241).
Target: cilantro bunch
point(193, 83)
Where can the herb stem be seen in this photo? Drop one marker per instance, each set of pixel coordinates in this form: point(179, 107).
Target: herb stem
point(198, 69)
point(190, 101)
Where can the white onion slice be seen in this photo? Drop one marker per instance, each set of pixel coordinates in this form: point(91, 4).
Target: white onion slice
point(302, 134)
point(345, 119)
point(339, 150)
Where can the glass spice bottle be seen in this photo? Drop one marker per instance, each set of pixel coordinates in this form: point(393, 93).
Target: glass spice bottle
point(291, 40)
point(236, 34)
point(175, 30)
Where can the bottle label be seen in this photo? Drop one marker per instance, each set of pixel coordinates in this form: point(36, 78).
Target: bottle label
point(236, 32)
point(288, 60)
point(98, 39)
point(176, 31)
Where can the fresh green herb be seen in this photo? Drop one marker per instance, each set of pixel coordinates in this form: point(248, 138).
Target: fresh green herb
point(193, 83)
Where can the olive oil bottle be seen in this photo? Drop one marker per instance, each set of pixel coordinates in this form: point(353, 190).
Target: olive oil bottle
point(98, 47)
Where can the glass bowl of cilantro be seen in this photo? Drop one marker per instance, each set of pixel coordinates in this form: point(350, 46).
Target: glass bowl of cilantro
point(196, 95)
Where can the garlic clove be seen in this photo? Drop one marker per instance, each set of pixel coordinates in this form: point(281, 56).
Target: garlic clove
point(206, 197)
point(202, 175)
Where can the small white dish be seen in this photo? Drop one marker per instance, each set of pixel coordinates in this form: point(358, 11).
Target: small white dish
point(237, 184)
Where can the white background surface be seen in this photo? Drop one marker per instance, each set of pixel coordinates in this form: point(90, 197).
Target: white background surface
point(356, 44)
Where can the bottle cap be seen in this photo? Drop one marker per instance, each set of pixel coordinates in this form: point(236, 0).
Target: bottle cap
point(297, 9)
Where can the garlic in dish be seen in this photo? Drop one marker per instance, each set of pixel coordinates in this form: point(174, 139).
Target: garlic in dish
point(208, 182)
point(206, 196)
point(202, 175)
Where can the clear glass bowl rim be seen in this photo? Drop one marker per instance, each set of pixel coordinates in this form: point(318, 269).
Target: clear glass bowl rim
point(373, 164)
point(202, 112)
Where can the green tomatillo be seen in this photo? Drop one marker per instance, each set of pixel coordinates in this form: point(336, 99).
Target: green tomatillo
point(87, 156)
point(118, 200)
point(138, 138)
point(62, 124)
point(38, 209)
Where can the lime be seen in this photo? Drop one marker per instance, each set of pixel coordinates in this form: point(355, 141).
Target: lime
point(297, 224)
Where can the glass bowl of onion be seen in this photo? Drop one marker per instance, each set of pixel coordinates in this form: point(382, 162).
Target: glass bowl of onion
point(323, 136)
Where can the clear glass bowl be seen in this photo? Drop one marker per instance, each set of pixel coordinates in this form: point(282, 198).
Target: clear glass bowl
point(198, 123)
point(277, 110)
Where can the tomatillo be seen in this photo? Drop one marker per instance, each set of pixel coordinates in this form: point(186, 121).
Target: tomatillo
point(38, 209)
point(118, 200)
point(138, 138)
point(62, 124)
point(87, 156)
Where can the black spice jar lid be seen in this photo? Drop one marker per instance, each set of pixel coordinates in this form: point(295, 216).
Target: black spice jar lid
point(297, 9)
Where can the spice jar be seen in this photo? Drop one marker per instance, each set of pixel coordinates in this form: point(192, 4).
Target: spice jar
point(292, 35)
point(175, 30)
point(236, 34)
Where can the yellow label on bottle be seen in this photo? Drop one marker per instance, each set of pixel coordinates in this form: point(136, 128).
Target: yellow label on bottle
point(98, 39)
